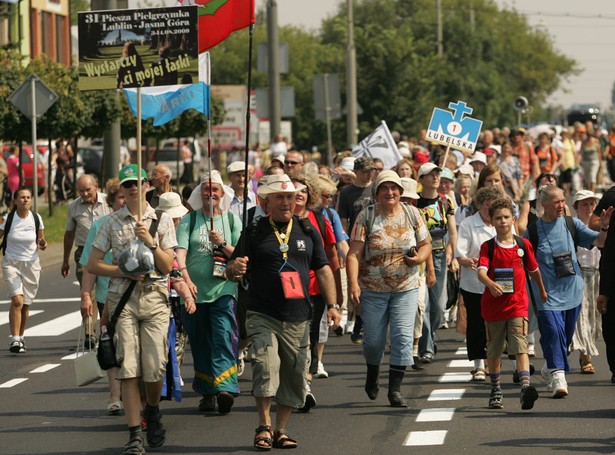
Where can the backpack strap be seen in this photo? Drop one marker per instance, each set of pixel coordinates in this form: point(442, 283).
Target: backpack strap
point(533, 235)
point(7, 228)
point(521, 245)
point(490, 250)
point(322, 223)
point(572, 229)
point(192, 223)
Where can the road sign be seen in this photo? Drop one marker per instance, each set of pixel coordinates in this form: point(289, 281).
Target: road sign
point(44, 97)
point(454, 129)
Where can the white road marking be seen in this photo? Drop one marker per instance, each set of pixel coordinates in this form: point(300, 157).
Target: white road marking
point(462, 351)
point(12, 383)
point(461, 364)
point(436, 415)
point(57, 326)
point(54, 300)
point(425, 438)
point(446, 394)
point(455, 377)
point(72, 356)
point(45, 368)
point(4, 315)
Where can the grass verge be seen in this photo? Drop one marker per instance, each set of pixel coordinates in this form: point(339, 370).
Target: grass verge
point(54, 225)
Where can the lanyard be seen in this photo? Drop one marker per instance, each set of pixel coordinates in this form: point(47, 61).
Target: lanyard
point(283, 237)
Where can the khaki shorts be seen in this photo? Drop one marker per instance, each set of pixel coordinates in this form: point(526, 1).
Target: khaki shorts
point(499, 332)
point(21, 278)
point(280, 354)
point(141, 332)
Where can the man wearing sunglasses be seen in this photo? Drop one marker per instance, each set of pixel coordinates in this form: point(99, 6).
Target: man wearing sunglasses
point(141, 330)
point(293, 162)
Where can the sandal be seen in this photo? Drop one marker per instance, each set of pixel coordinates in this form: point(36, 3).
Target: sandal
point(281, 440)
point(115, 408)
point(588, 368)
point(262, 442)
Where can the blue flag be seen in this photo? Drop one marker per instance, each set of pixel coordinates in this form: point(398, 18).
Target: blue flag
point(163, 104)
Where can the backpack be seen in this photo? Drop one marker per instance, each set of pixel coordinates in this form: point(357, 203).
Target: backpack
point(520, 244)
point(533, 232)
point(9, 223)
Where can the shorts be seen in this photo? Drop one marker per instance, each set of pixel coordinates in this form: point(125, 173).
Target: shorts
point(78, 267)
point(499, 332)
point(22, 278)
point(280, 356)
point(141, 332)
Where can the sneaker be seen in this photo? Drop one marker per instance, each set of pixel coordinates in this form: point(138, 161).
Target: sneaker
point(134, 446)
point(529, 395)
point(339, 331)
point(356, 339)
point(207, 403)
point(531, 351)
point(546, 376)
point(417, 363)
point(16, 347)
point(495, 399)
point(155, 433)
point(241, 366)
point(225, 402)
point(320, 372)
point(427, 358)
point(559, 384)
point(478, 375)
point(310, 400)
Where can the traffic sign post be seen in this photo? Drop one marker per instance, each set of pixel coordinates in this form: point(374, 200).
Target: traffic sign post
point(33, 98)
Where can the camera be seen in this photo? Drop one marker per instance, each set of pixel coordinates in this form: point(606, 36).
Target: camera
point(412, 252)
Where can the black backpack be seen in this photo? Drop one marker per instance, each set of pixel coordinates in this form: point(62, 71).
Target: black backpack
point(9, 223)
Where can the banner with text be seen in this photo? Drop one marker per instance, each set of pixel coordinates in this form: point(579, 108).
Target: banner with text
point(454, 129)
point(138, 48)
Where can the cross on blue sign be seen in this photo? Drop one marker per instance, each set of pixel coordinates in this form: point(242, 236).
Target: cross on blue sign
point(454, 129)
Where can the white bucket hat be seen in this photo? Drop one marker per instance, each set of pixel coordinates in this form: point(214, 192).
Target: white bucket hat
point(172, 204)
point(195, 200)
point(410, 186)
point(279, 183)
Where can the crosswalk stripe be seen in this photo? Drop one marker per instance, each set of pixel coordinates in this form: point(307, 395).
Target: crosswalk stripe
point(12, 383)
point(45, 368)
point(459, 376)
point(4, 315)
point(57, 326)
point(425, 438)
point(462, 351)
point(436, 415)
point(55, 300)
point(460, 363)
point(446, 394)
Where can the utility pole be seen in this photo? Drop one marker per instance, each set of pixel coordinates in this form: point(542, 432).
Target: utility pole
point(439, 19)
point(351, 83)
point(112, 137)
point(273, 57)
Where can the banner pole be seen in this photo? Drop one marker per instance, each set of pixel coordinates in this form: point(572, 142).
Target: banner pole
point(244, 215)
point(211, 207)
point(448, 148)
point(139, 152)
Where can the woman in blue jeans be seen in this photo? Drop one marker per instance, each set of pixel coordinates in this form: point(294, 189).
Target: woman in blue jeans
point(388, 241)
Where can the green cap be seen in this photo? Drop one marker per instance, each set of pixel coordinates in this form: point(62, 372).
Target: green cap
point(130, 172)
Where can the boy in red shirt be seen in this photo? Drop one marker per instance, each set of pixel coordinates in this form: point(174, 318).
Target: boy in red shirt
point(504, 306)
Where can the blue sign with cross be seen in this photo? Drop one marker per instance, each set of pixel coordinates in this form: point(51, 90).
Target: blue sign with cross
point(454, 128)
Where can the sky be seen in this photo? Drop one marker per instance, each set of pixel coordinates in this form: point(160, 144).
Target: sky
point(582, 30)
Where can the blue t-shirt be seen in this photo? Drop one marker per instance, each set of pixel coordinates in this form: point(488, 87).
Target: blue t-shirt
point(336, 224)
point(553, 238)
point(102, 282)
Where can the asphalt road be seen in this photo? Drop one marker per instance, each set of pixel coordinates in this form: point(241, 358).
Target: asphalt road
point(45, 413)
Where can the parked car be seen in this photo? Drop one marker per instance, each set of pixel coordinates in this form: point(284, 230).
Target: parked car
point(92, 160)
point(168, 157)
point(27, 166)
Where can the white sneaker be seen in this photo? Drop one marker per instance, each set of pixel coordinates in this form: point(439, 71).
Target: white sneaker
point(559, 384)
point(320, 372)
point(531, 351)
point(547, 378)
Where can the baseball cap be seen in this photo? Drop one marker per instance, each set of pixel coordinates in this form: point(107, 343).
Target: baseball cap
point(447, 174)
point(131, 172)
point(236, 166)
point(427, 168)
point(478, 156)
point(364, 163)
point(388, 176)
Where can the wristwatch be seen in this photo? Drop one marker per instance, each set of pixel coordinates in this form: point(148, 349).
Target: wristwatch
point(153, 247)
point(222, 245)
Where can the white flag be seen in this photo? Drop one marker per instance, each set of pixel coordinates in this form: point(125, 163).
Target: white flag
point(380, 144)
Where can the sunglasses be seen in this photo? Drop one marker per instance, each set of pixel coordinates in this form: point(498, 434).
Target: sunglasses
point(327, 196)
point(293, 163)
point(130, 183)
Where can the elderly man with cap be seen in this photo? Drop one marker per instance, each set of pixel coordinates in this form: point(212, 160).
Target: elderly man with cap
point(387, 244)
point(141, 330)
point(204, 246)
point(234, 192)
point(280, 250)
point(439, 216)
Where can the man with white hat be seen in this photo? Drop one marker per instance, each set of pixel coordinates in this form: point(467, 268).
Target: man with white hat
point(234, 192)
point(279, 252)
point(440, 219)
